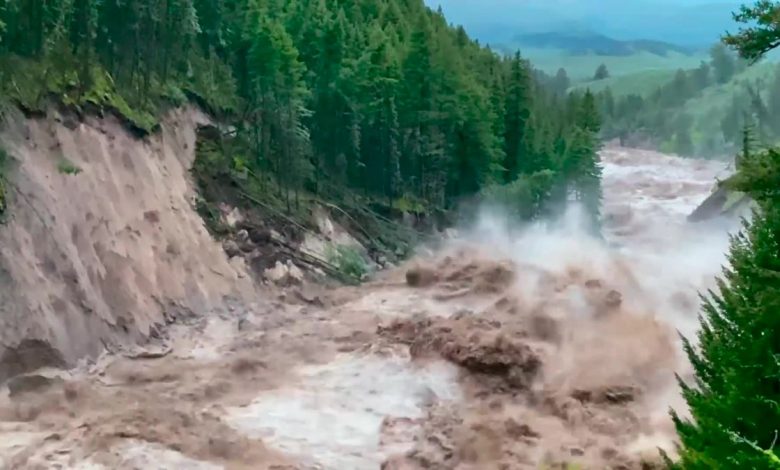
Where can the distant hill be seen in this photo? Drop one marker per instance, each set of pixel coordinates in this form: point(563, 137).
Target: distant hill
point(695, 23)
point(581, 43)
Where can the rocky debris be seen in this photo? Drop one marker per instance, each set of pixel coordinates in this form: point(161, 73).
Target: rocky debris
point(284, 274)
point(260, 236)
point(478, 345)
point(421, 276)
point(519, 431)
point(613, 395)
point(231, 248)
point(485, 277)
point(436, 447)
point(30, 383)
point(27, 356)
point(606, 300)
point(231, 216)
point(613, 299)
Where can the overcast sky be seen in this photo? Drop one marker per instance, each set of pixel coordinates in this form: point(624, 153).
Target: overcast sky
point(684, 21)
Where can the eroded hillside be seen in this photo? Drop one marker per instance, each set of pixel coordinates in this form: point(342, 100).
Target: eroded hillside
point(102, 245)
point(503, 347)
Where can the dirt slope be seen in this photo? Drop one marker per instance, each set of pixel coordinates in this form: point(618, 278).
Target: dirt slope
point(103, 244)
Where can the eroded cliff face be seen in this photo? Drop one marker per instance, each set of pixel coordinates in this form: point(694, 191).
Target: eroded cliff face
point(102, 244)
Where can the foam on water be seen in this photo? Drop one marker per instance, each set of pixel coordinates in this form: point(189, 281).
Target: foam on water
point(332, 417)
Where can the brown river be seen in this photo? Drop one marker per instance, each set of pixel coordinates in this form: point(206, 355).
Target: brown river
point(504, 347)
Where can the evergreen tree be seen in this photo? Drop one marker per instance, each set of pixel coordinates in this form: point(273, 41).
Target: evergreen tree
point(561, 82)
point(737, 361)
point(701, 76)
point(601, 73)
point(383, 98)
point(734, 398)
point(773, 101)
point(723, 63)
point(584, 168)
point(516, 118)
point(588, 116)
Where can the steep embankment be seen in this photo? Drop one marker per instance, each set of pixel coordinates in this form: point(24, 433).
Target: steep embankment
point(507, 347)
point(102, 244)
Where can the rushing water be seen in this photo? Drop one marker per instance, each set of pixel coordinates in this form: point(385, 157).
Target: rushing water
point(356, 408)
point(332, 417)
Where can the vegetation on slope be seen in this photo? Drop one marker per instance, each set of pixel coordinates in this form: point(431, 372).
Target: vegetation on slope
point(734, 400)
point(379, 98)
point(581, 66)
point(695, 112)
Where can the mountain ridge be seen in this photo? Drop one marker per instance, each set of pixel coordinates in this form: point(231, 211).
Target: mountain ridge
point(697, 23)
point(584, 42)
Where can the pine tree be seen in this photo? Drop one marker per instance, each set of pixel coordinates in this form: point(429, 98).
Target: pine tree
point(584, 169)
point(734, 397)
point(723, 63)
point(748, 144)
point(516, 117)
point(384, 97)
point(773, 102)
point(601, 73)
point(561, 81)
point(588, 117)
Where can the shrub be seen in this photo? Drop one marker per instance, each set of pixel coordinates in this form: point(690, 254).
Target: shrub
point(67, 168)
point(347, 260)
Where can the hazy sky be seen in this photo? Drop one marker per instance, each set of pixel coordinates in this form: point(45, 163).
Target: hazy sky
point(684, 21)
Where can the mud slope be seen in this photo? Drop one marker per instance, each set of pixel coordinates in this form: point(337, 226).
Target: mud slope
point(103, 243)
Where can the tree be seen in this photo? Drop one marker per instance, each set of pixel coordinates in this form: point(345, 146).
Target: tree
point(773, 102)
point(723, 63)
point(762, 36)
point(517, 114)
point(584, 170)
point(601, 72)
point(701, 76)
point(561, 82)
point(333, 97)
point(734, 397)
point(733, 400)
point(588, 117)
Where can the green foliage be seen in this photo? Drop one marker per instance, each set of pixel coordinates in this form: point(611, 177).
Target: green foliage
point(523, 198)
point(641, 83)
point(67, 168)
point(580, 67)
point(737, 361)
point(763, 34)
point(379, 98)
point(735, 398)
point(693, 112)
point(347, 260)
point(601, 73)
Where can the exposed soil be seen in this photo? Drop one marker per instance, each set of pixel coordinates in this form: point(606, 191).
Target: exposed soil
point(503, 348)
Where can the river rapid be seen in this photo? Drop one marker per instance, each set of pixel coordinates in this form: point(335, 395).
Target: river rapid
point(502, 347)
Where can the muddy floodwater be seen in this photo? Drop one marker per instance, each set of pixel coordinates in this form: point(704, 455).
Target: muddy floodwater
point(505, 347)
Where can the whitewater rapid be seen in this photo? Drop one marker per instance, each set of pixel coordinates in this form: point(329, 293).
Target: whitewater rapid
point(523, 347)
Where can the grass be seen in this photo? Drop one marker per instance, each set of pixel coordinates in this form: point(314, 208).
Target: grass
point(640, 83)
point(34, 84)
point(709, 108)
point(582, 67)
point(67, 168)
